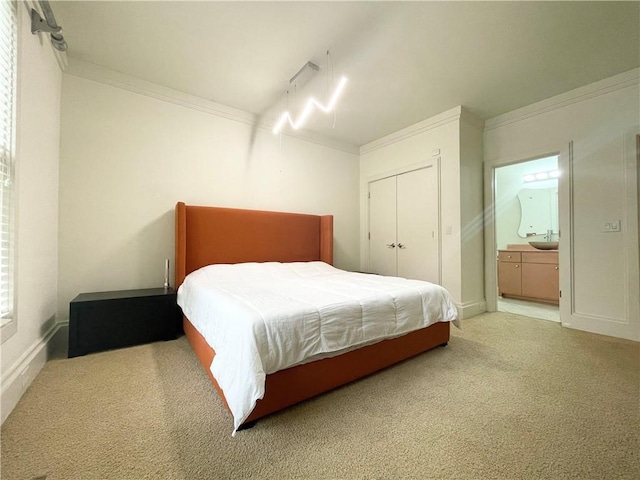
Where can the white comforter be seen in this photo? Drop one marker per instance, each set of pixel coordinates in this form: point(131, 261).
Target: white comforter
point(264, 317)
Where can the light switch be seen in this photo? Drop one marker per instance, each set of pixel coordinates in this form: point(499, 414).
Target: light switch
point(611, 226)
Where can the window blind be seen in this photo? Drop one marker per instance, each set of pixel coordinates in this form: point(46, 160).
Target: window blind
point(8, 72)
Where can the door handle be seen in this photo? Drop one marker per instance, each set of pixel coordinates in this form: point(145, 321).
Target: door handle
point(401, 245)
point(391, 245)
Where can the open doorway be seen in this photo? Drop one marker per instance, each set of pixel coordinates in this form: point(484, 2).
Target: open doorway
point(527, 238)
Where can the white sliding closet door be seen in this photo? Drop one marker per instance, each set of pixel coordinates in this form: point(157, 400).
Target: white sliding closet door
point(382, 227)
point(404, 225)
point(417, 218)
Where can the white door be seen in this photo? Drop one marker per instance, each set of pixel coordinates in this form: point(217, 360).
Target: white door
point(382, 226)
point(418, 225)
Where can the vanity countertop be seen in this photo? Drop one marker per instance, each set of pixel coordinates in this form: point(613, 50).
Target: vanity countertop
point(526, 248)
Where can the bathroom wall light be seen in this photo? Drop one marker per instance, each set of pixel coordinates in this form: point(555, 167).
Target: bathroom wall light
point(540, 176)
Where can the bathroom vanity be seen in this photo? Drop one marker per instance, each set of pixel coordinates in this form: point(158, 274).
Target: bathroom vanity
point(529, 274)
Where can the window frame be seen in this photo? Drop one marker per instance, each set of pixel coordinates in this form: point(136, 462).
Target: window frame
point(9, 325)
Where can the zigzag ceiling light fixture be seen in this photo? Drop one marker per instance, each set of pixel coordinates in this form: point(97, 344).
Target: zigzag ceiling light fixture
point(311, 104)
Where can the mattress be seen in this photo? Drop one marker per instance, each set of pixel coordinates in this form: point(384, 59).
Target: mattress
point(264, 317)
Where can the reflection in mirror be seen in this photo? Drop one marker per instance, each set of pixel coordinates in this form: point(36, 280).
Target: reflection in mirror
point(539, 211)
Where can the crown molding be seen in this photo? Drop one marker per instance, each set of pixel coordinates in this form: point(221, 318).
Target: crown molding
point(452, 115)
point(97, 73)
point(602, 87)
point(443, 118)
point(61, 57)
point(123, 81)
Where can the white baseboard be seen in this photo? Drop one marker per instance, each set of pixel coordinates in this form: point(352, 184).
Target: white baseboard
point(18, 378)
point(471, 309)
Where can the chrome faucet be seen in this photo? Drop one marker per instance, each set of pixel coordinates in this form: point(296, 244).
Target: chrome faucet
point(547, 237)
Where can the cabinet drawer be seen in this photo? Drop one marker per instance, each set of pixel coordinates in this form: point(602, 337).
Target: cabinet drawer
point(540, 257)
point(507, 256)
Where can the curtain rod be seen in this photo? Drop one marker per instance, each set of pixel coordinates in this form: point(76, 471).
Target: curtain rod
point(39, 24)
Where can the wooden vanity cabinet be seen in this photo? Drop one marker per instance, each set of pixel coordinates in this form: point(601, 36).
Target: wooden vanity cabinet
point(529, 275)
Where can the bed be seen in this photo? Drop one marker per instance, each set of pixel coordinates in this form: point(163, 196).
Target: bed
point(214, 239)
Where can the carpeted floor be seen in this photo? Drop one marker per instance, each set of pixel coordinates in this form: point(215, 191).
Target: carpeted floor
point(509, 398)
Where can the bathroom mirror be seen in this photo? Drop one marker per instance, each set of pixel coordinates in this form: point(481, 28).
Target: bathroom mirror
point(539, 211)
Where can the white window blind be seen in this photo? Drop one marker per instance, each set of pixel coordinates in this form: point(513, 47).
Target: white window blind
point(8, 71)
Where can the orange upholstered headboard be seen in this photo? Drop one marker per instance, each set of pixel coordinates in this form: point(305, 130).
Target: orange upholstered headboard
point(207, 235)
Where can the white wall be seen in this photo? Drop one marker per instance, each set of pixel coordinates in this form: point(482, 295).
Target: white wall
point(127, 158)
point(460, 151)
point(471, 215)
point(391, 155)
point(38, 133)
point(598, 119)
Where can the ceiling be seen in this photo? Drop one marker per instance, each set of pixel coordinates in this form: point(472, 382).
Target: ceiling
point(405, 61)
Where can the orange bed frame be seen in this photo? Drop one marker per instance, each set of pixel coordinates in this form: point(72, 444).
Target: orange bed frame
point(208, 235)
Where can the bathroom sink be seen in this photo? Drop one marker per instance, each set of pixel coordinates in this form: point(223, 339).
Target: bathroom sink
point(544, 245)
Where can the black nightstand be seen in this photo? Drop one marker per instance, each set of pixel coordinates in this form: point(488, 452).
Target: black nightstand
point(105, 320)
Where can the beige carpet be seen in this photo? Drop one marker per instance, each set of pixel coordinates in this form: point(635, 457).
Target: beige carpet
point(509, 398)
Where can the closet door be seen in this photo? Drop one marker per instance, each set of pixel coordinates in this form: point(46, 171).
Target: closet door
point(382, 226)
point(418, 225)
